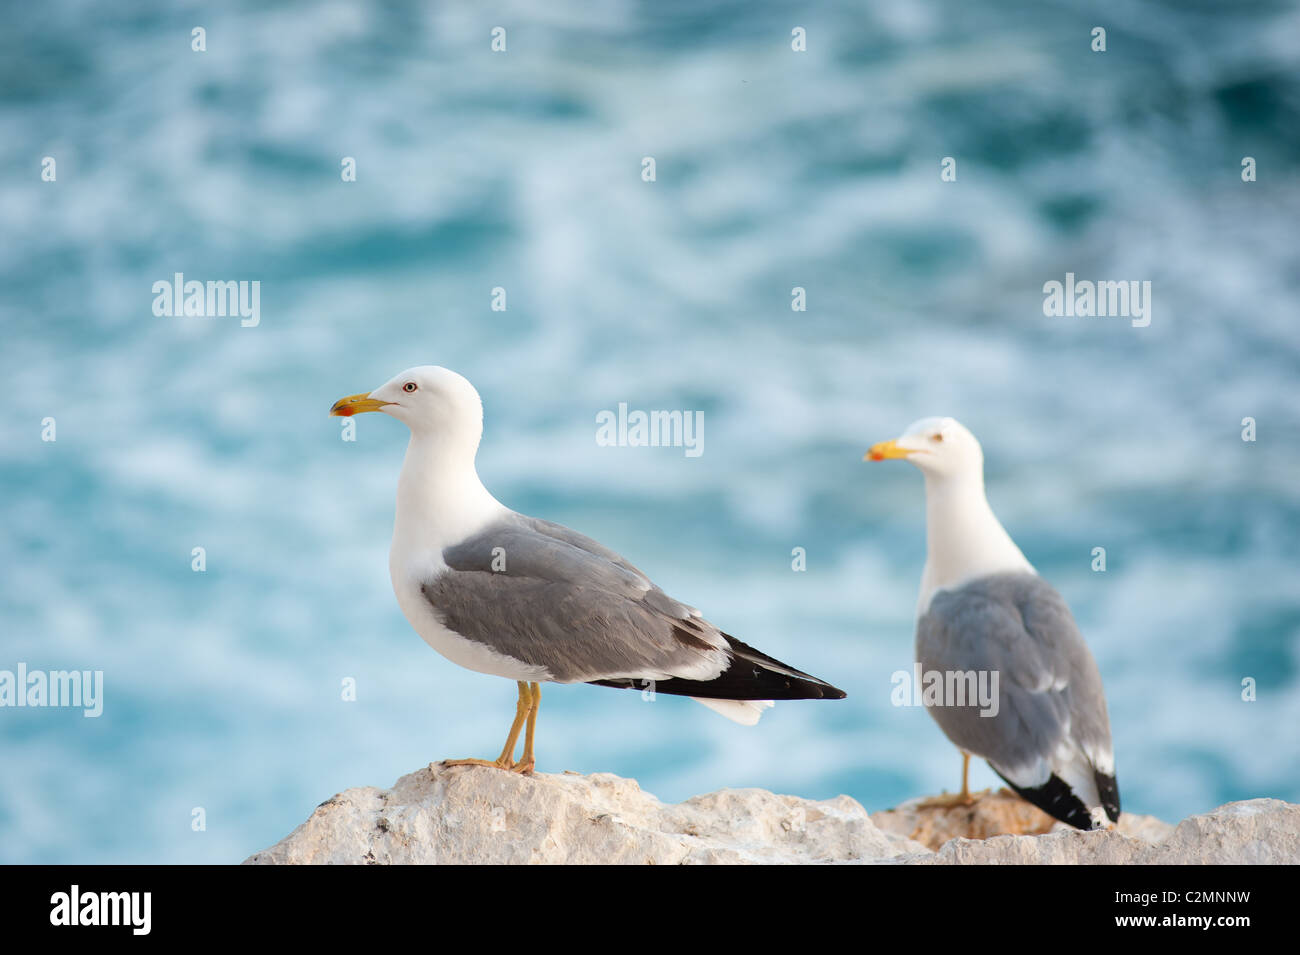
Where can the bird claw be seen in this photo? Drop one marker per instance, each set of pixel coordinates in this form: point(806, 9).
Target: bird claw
point(948, 801)
point(507, 765)
point(523, 767)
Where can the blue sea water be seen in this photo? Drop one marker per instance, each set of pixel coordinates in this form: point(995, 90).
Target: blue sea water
point(522, 170)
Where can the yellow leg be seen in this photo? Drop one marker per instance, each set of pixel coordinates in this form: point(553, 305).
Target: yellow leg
point(949, 800)
point(526, 763)
point(523, 708)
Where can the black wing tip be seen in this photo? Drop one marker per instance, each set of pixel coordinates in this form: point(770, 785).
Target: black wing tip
point(786, 689)
point(752, 675)
point(818, 689)
point(1057, 799)
point(1108, 789)
point(809, 689)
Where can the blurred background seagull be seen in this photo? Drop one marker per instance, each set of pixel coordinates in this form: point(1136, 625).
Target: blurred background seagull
point(983, 608)
point(534, 602)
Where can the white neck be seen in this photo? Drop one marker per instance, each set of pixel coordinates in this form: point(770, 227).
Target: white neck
point(440, 499)
point(963, 538)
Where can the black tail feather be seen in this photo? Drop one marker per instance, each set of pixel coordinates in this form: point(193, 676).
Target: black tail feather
point(1057, 799)
point(750, 677)
point(1109, 791)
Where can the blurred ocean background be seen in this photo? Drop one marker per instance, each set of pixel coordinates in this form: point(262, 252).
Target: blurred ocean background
point(522, 169)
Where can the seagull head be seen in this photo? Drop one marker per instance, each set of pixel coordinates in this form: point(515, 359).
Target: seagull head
point(940, 447)
point(428, 399)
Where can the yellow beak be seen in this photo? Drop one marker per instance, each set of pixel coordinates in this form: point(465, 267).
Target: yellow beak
point(356, 404)
point(885, 450)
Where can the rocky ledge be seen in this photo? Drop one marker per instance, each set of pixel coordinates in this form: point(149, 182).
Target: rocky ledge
point(470, 814)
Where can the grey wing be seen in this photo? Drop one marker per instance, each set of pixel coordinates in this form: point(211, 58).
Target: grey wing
point(549, 597)
point(1051, 709)
point(580, 541)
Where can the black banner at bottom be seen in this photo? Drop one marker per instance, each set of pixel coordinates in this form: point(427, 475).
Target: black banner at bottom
point(745, 906)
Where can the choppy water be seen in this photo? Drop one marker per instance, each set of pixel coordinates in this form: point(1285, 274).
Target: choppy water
point(521, 170)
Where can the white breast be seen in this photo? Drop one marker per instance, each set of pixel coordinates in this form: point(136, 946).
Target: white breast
point(441, 501)
point(408, 578)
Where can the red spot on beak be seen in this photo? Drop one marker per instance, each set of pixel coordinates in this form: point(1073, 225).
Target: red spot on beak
point(345, 412)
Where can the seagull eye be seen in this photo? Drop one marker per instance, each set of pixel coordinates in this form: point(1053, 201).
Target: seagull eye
point(409, 387)
point(936, 437)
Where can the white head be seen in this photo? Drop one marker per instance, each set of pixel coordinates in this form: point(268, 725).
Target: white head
point(940, 447)
point(964, 540)
point(432, 401)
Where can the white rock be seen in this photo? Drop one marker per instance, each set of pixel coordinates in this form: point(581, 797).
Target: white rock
point(993, 813)
point(469, 814)
point(1256, 831)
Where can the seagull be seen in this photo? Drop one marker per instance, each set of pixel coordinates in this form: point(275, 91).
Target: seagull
point(983, 608)
point(531, 601)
